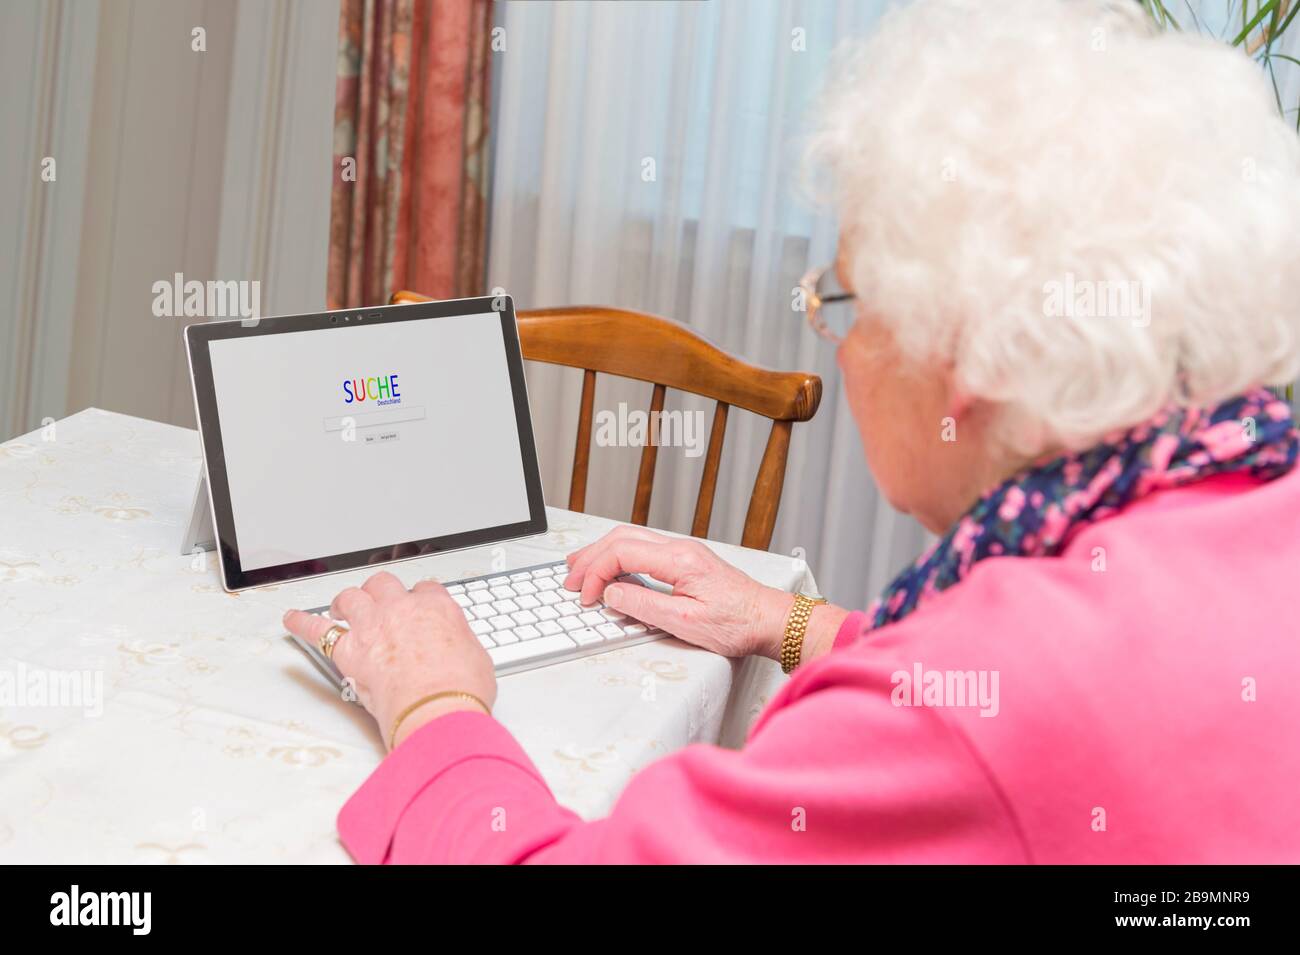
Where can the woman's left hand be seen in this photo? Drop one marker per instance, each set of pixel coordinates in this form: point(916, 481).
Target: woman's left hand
point(400, 646)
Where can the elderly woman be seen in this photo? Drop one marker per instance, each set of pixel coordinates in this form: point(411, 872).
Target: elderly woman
point(1067, 267)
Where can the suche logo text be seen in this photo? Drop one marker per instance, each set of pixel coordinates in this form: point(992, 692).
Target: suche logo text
point(382, 390)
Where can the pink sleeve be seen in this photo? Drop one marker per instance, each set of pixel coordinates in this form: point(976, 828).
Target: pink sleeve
point(837, 775)
point(850, 629)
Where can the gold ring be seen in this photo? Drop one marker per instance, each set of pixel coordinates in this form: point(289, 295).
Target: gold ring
point(330, 638)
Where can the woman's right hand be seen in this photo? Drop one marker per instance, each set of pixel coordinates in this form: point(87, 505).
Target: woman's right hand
point(713, 605)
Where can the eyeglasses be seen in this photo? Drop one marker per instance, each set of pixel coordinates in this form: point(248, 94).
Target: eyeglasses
point(831, 311)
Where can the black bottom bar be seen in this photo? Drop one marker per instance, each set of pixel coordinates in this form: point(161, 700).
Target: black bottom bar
point(334, 905)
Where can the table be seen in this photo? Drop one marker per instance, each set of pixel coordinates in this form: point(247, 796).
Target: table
point(215, 740)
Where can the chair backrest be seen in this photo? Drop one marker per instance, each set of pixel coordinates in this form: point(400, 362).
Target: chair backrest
point(668, 354)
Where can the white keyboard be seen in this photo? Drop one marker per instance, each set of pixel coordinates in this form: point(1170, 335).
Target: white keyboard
point(525, 619)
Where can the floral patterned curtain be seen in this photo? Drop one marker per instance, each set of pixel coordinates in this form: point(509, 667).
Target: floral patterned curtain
point(408, 202)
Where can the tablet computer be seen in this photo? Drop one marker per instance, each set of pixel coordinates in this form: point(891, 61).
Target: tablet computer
point(343, 439)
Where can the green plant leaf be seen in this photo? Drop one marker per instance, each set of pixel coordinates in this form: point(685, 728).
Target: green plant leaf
point(1264, 10)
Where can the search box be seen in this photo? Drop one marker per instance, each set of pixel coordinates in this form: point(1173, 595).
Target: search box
point(372, 419)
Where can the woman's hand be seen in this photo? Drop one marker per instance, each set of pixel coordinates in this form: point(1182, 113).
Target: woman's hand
point(713, 605)
point(400, 646)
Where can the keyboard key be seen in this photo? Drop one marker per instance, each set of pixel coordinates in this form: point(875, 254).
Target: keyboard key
point(586, 636)
point(527, 632)
point(591, 618)
point(570, 623)
point(468, 615)
point(549, 627)
point(476, 585)
point(502, 592)
point(505, 606)
point(497, 581)
point(544, 612)
point(461, 600)
point(502, 623)
point(547, 583)
point(531, 649)
point(548, 597)
point(487, 642)
point(634, 629)
point(480, 626)
point(610, 631)
point(527, 603)
point(541, 572)
point(504, 636)
point(456, 589)
point(611, 614)
point(570, 594)
point(483, 611)
point(524, 587)
point(481, 596)
point(567, 608)
point(522, 575)
point(524, 616)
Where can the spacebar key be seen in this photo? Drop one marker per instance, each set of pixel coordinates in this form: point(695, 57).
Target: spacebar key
point(530, 649)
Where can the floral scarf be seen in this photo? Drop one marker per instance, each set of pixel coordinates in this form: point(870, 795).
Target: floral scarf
point(1036, 511)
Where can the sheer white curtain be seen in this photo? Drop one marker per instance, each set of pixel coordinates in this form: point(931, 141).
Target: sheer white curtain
point(646, 157)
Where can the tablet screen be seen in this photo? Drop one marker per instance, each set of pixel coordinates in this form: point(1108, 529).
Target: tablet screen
point(339, 440)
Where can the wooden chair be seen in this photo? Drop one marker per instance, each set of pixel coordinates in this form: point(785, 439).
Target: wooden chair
point(668, 354)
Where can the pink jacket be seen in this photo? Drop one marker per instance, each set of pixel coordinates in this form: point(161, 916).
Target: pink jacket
point(1141, 700)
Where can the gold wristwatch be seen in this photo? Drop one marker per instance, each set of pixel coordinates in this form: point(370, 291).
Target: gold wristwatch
point(796, 625)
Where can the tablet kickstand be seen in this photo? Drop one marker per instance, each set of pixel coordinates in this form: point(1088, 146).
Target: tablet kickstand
point(199, 535)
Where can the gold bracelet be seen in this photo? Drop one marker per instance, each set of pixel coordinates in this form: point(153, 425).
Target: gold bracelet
point(458, 694)
point(796, 625)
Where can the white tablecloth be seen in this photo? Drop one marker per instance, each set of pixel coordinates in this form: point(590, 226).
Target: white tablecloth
point(217, 740)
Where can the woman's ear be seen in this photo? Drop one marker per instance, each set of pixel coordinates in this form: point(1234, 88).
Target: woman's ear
point(958, 401)
point(959, 404)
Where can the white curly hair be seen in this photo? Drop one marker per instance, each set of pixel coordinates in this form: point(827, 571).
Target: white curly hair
point(1084, 217)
